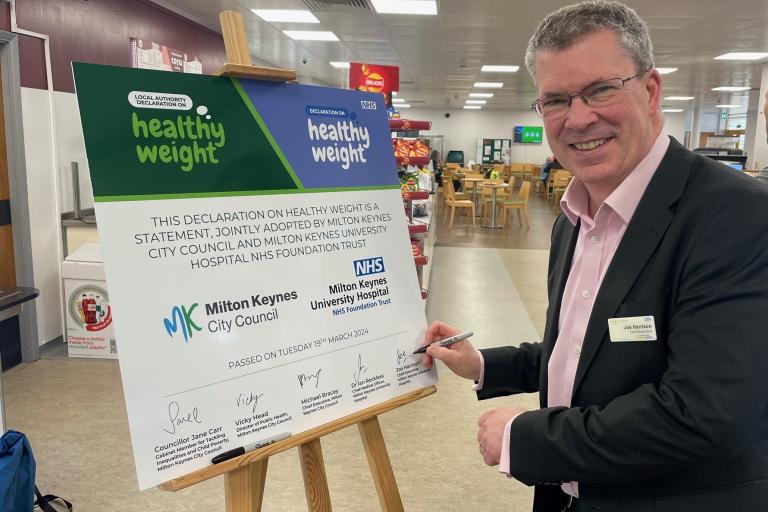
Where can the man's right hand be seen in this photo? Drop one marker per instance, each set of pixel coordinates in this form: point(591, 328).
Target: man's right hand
point(461, 358)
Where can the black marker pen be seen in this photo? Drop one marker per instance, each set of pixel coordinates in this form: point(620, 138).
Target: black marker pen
point(240, 450)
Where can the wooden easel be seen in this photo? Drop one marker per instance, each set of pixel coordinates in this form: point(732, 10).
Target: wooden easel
point(245, 476)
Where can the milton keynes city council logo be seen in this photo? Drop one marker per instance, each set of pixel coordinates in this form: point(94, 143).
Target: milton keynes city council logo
point(181, 317)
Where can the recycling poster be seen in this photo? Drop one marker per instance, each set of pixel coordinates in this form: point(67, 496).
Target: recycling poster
point(257, 258)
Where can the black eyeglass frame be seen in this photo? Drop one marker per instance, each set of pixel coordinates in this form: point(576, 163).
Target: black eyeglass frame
point(580, 94)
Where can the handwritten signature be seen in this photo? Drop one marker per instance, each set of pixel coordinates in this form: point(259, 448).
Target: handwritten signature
point(177, 418)
point(401, 357)
point(250, 399)
point(360, 369)
point(304, 378)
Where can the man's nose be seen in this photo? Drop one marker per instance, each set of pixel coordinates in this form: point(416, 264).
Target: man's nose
point(580, 115)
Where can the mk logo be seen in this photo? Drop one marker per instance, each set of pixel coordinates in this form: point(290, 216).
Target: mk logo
point(181, 316)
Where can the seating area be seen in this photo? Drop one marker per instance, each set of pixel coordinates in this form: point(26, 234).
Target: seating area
point(494, 192)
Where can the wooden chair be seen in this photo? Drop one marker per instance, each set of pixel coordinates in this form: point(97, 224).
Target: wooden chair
point(470, 185)
point(519, 204)
point(452, 202)
point(453, 167)
point(536, 178)
point(560, 182)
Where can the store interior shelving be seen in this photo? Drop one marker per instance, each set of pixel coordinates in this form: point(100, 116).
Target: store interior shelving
point(422, 237)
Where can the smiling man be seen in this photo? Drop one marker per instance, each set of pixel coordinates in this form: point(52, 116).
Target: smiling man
point(652, 371)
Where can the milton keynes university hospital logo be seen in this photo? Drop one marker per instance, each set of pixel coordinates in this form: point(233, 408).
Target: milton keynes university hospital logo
point(181, 318)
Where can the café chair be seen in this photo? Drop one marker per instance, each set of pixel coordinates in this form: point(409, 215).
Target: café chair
point(452, 202)
point(519, 204)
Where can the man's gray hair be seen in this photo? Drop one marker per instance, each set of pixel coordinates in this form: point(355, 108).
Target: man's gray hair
point(568, 25)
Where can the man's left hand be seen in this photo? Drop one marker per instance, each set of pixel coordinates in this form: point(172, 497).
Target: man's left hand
point(491, 434)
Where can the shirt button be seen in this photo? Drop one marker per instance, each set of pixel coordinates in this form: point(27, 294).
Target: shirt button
point(577, 349)
point(595, 239)
point(586, 294)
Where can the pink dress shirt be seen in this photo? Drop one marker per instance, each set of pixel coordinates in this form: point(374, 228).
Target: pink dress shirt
point(597, 241)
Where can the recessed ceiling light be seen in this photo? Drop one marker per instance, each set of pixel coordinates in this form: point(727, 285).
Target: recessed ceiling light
point(398, 100)
point(394, 93)
point(489, 85)
point(472, 107)
point(499, 69)
point(428, 7)
point(311, 35)
point(672, 110)
point(403, 105)
point(742, 56)
point(285, 15)
point(481, 95)
point(340, 65)
point(666, 71)
point(476, 102)
point(729, 88)
point(728, 106)
point(679, 98)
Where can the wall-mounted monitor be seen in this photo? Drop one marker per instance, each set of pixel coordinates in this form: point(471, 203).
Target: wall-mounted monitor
point(529, 134)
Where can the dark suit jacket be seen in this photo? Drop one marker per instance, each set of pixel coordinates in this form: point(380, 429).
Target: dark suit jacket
point(681, 423)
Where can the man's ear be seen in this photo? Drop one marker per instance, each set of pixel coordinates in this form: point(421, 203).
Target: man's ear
point(653, 86)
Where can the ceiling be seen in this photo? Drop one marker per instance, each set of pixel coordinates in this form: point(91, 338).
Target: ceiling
point(440, 56)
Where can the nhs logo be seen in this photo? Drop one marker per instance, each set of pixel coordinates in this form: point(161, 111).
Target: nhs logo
point(368, 105)
point(369, 266)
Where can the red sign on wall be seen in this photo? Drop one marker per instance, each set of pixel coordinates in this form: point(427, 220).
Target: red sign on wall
point(374, 78)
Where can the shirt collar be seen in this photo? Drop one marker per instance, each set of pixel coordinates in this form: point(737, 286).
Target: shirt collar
point(625, 198)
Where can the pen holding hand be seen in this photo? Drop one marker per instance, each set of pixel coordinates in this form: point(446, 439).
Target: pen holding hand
point(461, 358)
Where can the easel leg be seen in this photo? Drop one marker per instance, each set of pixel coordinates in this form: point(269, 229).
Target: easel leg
point(381, 468)
point(244, 487)
point(315, 481)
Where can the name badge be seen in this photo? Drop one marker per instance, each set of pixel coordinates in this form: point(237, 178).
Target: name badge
point(632, 328)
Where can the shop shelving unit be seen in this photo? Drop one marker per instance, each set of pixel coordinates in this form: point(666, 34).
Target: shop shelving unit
point(422, 237)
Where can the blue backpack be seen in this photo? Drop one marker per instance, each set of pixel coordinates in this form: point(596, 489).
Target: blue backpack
point(17, 473)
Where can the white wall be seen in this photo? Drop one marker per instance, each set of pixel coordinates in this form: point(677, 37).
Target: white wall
point(71, 148)
point(464, 127)
point(44, 216)
point(761, 143)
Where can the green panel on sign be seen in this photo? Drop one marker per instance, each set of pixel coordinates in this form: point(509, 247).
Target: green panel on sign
point(204, 140)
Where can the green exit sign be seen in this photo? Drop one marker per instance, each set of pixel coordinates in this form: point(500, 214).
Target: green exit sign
point(723, 115)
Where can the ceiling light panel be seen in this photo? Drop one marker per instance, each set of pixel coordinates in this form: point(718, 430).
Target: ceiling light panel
point(476, 102)
point(472, 107)
point(500, 69)
point(481, 95)
point(672, 110)
point(489, 85)
point(403, 105)
point(311, 35)
point(728, 106)
point(340, 65)
point(729, 88)
point(398, 100)
point(285, 15)
point(419, 7)
point(742, 56)
point(679, 98)
point(666, 71)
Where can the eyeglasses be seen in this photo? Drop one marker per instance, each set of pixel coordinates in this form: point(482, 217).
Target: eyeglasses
point(596, 95)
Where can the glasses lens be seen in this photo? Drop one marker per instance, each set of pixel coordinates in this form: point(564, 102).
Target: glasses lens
point(602, 92)
point(553, 106)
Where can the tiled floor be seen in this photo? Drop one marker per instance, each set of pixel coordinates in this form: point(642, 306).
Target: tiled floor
point(489, 281)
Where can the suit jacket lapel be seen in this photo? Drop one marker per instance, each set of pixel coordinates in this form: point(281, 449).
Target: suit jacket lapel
point(645, 231)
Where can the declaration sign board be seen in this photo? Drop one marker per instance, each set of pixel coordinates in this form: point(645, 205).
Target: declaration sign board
point(257, 258)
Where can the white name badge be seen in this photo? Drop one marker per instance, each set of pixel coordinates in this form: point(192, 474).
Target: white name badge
point(632, 328)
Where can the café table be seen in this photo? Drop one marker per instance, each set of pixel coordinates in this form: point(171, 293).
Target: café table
point(494, 187)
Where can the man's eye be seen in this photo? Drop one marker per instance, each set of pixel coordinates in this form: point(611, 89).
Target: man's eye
point(602, 89)
point(553, 102)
